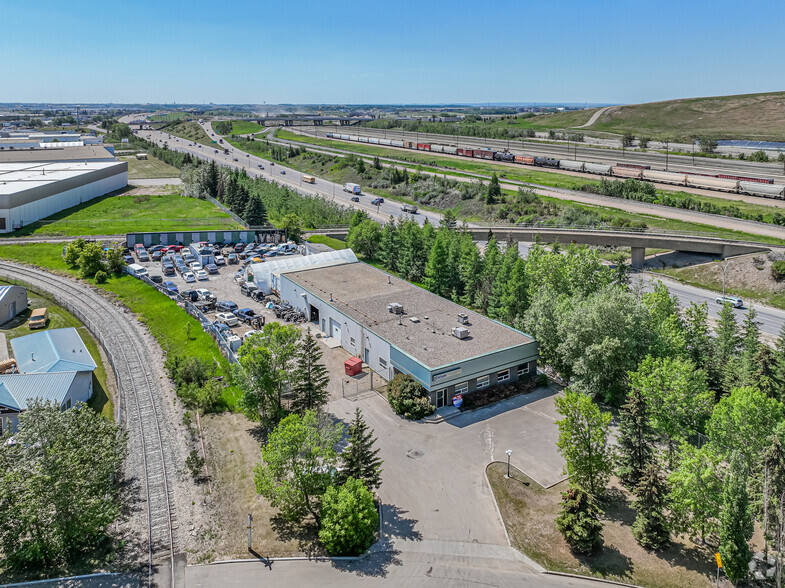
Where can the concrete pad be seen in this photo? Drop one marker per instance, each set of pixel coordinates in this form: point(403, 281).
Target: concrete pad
point(3, 347)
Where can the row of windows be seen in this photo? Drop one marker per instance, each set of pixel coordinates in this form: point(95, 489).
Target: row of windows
point(484, 381)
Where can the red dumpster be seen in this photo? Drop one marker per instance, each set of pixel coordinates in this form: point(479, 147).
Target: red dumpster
point(353, 366)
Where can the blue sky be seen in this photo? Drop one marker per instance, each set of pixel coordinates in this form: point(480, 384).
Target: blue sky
point(302, 51)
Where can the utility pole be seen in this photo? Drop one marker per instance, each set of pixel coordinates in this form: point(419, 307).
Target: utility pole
point(666, 154)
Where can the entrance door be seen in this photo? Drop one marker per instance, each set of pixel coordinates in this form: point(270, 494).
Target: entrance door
point(368, 356)
point(324, 326)
point(441, 398)
point(335, 330)
point(12, 310)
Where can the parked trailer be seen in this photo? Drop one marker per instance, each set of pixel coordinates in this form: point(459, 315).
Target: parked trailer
point(525, 159)
point(746, 179)
point(363, 139)
point(396, 143)
point(766, 190)
point(384, 142)
point(437, 148)
point(354, 138)
point(571, 165)
point(450, 150)
point(626, 172)
point(598, 168)
point(665, 177)
point(346, 137)
point(712, 183)
point(373, 140)
point(466, 152)
point(546, 162)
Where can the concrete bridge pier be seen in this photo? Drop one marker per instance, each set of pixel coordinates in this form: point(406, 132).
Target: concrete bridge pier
point(638, 257)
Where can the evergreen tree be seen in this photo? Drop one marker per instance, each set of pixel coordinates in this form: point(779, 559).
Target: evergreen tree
point(470, 271)
point(241, 199)
point(360, 460)
point(230, 192)
point(211, 180)
point(750, 349)
point(494, 193)
point(449, 220)
point(636, 439)
point(726, 345)
point(490, 268)
point(501, 283)
point(735, 522)
point(438, 273)
point(255, 213)
point(651, 525)
point(771, 482)
point(579, 521)
point(778, 369)
point(310, 376)
point(388, 247)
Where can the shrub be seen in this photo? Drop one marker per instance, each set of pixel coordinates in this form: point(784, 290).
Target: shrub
point(409, 398)
point(195, 463)
point(490, 395)
point(349, 519)
point(778, 270)
point(101, 276)
point(579, 521)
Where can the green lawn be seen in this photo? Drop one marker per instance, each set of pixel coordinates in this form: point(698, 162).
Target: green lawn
point(190, 131)
point(151, 167)
point(172, 116)
point(241, 127)
point(329, 241)
point(162, 316)
point(112, 215)
point(60, 318)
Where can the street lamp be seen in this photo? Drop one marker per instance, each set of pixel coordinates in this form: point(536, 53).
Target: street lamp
point(509, 453)
point(724, 269)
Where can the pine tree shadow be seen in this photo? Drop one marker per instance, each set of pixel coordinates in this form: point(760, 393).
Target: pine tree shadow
point(305, 534)
point(609, 561)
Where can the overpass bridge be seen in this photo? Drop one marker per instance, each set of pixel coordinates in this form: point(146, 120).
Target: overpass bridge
point(289, 121)
point(637, 240)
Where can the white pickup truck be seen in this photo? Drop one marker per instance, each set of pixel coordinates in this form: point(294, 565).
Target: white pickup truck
point(410, 208)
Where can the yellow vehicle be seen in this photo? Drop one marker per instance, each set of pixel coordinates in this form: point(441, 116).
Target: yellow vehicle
point(38, 318)
point(309, 179)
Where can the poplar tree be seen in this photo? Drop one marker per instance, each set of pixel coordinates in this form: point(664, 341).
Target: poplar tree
point(360, 460)
point(636, 439)
point(310, 376)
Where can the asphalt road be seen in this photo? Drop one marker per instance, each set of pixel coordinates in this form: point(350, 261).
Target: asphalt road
point(579, 151)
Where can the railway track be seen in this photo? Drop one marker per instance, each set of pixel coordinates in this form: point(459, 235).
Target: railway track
point(138, 409)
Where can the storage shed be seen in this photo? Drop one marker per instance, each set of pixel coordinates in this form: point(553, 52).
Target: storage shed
point(13, 300)
point(18, 390)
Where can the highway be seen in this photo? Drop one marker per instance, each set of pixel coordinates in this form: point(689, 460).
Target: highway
point(579, 151)
point(772, 319)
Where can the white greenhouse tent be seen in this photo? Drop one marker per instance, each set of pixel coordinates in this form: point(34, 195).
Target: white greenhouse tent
point(265, 275)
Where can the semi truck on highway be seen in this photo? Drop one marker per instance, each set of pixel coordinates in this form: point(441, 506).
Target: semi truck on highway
point(351, 188)
point(309, 179)
point(410, 208)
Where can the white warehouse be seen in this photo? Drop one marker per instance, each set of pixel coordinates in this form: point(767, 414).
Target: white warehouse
point(32, 191)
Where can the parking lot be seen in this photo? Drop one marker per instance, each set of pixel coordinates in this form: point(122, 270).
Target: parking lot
point(222, 285)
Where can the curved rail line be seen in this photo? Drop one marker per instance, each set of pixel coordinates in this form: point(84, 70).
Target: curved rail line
point(136, 393)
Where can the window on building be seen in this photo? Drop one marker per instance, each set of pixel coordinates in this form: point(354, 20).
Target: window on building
point(68, 404)
point(523, 369)
point(462, 388)
point(503, 376)
point(383, 363)
point(351, 340)
point(483, 381)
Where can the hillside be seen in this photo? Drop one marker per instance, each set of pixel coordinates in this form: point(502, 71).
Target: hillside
point(190, 131)
point(745, 116)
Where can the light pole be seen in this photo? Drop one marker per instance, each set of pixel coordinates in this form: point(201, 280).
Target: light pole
point(509, 453)
point(666, 154)
point(725, 269)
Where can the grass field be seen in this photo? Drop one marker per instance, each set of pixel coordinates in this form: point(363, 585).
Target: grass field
point(162, 316)
point(241, 127)
point(59, 318)
point(329, 241)
point(172, 116)
point(112, 215)
point(190, 131)
point(151, 167)
point(529, 512)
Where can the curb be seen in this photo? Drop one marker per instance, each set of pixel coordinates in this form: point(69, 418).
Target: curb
point(66, 578)
point(274, 559)
point(592, 578)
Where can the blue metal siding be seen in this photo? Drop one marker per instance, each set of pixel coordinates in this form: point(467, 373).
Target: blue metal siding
point(409, 365)
point(484, 364)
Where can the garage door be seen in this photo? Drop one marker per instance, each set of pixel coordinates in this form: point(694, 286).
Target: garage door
point(335, 330)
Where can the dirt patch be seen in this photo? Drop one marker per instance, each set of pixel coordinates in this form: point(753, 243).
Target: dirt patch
point(152, 190)
point(529, 513)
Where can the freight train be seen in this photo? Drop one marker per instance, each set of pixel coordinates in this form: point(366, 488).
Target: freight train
point(728, 183)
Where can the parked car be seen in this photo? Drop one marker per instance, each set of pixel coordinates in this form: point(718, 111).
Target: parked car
point(201, 275)
point(211, 268)
point(189, 258)
point(228, 318)
point(171, 286)
point(732, 300)
point(220, 260)
point(190, 295)
point(157, 279)
point(168, 270)
point(143, 255)
point(195, 266)
point(205, 294)
point(231, 259)
point(189, 277)
point(128, 259)
point(245, 314)
point(222, 327)
point(225, 305)
point(157, 255)
point(239, 247)
point(248, 288)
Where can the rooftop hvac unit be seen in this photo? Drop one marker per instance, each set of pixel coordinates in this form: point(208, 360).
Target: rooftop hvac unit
point(463, 318)
point(395, 308)
point(460, 332)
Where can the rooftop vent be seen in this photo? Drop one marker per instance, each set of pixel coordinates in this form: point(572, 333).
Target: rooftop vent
point(395, 308)
point(460, 332)
point(463, 318)
point(414, 319)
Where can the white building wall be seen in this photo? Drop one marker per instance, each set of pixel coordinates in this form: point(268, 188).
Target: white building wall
point(16, 297)
point(81, 389)
point(355, 338)
point(25, 214)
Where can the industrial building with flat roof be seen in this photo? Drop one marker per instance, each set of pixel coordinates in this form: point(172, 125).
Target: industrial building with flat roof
point(397, 327)
point(52, 154)
point(32, 191)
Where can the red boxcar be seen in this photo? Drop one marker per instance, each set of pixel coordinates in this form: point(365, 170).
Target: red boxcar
point(424, 146)
point(465, 152)
point(410, 144)
point(483, 154)
point(524, 159)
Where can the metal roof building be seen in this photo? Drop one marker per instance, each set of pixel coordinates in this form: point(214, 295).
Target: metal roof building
point(55, 350)
point(32, 191)
point(395, 326)
point(266, 275)
point(13, 300)
point(17, 390)
point(57, 153)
